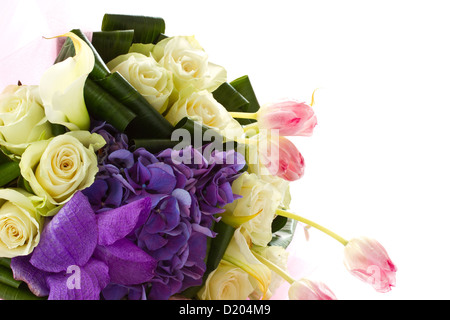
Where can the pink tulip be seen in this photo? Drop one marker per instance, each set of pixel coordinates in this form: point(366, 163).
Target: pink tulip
point(282, 159)
point(367, 260)
point(290, 117)
point(305, 289)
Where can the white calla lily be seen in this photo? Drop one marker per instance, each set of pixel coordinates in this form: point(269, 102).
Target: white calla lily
point(239, 254)
point(62, 85)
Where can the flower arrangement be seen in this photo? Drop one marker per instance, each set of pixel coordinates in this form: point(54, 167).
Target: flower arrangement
point(135, 170)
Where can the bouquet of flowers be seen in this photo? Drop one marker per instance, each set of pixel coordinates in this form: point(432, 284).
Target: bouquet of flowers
point(136, 170)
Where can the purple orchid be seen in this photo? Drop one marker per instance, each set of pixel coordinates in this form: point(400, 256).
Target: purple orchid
point(94, 245)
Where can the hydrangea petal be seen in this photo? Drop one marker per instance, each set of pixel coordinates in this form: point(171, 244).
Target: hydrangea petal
point(69, 239)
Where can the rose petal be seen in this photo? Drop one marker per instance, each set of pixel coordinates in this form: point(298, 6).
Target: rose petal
point(69, 239)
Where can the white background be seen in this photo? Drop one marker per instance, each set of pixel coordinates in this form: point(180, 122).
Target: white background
point(378, 162)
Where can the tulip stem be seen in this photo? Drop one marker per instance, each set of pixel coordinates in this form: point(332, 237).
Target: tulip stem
point(312, 224)
point(252, 126)
point(272, 266)
point(244, 115)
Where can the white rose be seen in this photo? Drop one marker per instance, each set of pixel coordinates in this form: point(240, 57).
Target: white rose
point(150, 79)
point(56, 168)
point(22, 118)
point(20, 223)
point(202, 106)
point(260, 197)
point(227, 282)
point(188, 62)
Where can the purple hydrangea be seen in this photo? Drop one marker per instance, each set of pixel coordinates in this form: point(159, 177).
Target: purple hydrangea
point(185, 196)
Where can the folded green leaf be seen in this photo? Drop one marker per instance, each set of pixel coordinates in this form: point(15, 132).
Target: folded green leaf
point(111, 44)
point(102, 106)
point(8, 172)
point(230, 98)
point(283, 236)
point(6, 277)
point(146, 29)
point(154, 145)
point(149, 123)
point(5, 262)
point(21, 293)
point(244, 87)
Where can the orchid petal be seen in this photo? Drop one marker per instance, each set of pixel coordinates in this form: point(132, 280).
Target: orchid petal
point(69, 239)
point(116, 224)
point(79, 283)
point(128, 263)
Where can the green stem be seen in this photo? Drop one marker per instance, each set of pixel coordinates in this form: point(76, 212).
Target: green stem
point(252, 126)
point(244, 115)
point(272, 266)
point(312, 224)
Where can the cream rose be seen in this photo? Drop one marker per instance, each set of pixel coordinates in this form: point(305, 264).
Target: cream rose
point(201, 106)
point(188, 62)
point(56, 168)
point(22, 118)
point(227, 282)
point(154, 82)
point(260, 197)
point(20, 223)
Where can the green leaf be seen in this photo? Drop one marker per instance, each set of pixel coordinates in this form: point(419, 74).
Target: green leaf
point(6, 277)
point(283, 236)
point(111, 44)
point(278, 223)
point(100, 70)
point(6, 262)
point(244, 87)
point(21, 293)
point(230, 98)
point(146, 29)
point(8, 172)
point(154, 145)
point(102, 106)
point(148, 123)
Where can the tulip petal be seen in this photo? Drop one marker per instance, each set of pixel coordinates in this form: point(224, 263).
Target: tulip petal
point(62, 85)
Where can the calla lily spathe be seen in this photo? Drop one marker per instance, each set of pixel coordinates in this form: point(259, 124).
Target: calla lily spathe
point(61, 87)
